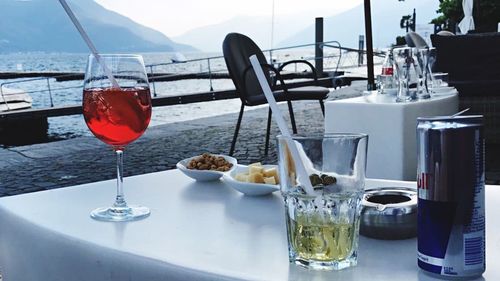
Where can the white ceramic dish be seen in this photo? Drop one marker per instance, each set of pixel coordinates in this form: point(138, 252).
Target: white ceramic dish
point(205, 175)
point(247, 188)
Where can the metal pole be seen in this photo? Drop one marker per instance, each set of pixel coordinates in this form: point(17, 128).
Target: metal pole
point(272, 37)
point(361, 48)
point(152, 77)
point(50, 92)
point(319, 48)
point(210, 75)
point(369, 46)
point(414, 23)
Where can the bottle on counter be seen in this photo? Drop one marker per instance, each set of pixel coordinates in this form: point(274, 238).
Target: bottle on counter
point(387, 81)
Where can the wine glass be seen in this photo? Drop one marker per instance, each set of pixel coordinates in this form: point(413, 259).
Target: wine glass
point(117, 115)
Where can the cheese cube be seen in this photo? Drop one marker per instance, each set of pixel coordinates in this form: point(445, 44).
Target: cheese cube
point(270, 180)
point(272, 172)
point(255, 170)
point(256, 164)
point(256, 178)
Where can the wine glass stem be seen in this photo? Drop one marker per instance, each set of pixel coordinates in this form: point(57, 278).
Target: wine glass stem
point(120, 198)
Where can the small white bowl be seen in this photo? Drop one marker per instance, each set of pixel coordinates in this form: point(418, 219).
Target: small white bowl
point(248, 188)
point(205, 175)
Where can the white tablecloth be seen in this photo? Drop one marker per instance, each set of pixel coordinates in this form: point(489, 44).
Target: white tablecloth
point(196, 231)
point(391, 129)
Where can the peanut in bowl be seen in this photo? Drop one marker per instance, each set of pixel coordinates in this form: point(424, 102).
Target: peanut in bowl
point(209, 169)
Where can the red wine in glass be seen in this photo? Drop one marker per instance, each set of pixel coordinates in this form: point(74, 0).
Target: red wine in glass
point(117, 113)
point(117, 116)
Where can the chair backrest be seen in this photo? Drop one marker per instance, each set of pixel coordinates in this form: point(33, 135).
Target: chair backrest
point(237, 49)
point(413, 39)
point(445, 33)
point(469, 57)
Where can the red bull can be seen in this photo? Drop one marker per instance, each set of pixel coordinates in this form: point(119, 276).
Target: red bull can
point(450, 181)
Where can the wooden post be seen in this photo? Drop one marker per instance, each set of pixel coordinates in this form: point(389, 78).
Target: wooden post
point(319, 49)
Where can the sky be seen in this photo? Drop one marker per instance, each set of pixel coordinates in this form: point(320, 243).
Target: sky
point(175, 17)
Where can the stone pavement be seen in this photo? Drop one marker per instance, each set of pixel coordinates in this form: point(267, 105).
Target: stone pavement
point(86, 159)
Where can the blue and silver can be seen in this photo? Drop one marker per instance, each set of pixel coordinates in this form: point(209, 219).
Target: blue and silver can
point(450, 181)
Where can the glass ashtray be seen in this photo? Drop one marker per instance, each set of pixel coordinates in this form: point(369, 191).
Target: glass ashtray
point(389, 213)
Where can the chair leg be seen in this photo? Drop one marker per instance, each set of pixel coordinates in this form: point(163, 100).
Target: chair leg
point(292, 117)
point(236, 130)
point(268, 132)
point(322, 104)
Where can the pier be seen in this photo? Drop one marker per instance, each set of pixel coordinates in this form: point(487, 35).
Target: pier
point(20, 127)
point(156, 77)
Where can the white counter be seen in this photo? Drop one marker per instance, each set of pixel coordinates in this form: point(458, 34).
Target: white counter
point(195, 232)
point(391, 129)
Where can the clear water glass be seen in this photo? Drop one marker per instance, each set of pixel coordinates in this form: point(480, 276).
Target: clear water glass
point(403, 59)
point(431, 59)
point(420, 62)
point(440, 79)
point(385, 84)
point(323, 228)
point(439, 84)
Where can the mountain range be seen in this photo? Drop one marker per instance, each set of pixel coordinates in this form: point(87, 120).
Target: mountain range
point(42, 25)
point(209, 38)
point(298, 29)
point(347, 26)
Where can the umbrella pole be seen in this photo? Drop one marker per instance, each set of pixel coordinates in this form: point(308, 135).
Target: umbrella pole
point(369, 46)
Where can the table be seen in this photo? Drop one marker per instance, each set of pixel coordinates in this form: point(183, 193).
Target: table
point(196, 231)
point(391, 129)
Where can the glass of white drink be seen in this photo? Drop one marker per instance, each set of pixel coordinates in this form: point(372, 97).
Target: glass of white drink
point(323, 227)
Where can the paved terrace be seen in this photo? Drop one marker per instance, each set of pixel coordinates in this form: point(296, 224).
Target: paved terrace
point(86, 159)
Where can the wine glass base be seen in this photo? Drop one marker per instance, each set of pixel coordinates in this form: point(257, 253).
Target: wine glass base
point(130, 213)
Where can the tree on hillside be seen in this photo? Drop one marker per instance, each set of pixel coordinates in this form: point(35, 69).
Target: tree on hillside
point(486, 14)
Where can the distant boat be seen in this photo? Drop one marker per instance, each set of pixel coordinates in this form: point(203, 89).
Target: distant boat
point(14, 99)
point(178, 58)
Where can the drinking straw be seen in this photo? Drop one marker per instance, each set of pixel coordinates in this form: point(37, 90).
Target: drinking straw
point(461, 112)
point(278, 117)
point(89, 43)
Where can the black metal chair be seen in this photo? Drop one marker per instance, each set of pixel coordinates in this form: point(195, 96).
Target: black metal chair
point(413, 39)
point(237, 49)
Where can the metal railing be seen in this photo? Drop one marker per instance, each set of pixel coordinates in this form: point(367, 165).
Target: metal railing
point(50, 89)
point(211, 69)
point(344, 59)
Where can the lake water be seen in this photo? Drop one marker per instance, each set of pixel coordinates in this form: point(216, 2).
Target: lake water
point(70, 93)
point(71, 126)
